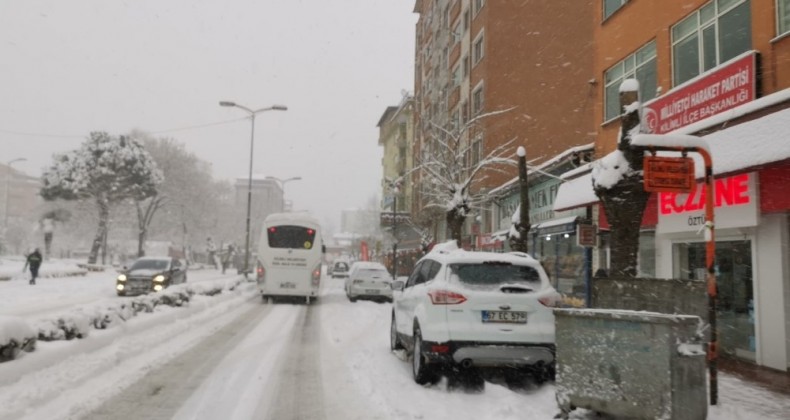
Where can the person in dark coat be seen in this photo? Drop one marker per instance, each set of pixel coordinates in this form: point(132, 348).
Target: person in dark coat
point(34, 262)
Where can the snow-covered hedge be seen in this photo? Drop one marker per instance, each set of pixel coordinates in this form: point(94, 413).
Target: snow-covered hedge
point(17, 335)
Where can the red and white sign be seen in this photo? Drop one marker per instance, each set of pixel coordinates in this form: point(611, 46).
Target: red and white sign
point(725, 87)
point(735, 201)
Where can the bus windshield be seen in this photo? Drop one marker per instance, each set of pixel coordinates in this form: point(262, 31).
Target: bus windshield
point(295, 237)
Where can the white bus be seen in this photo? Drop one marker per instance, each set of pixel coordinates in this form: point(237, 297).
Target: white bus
point(290, 256)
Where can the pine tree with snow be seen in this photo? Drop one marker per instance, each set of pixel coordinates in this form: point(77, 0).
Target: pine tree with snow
point(106, 169)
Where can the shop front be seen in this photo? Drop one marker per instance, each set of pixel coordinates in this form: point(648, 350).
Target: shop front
point(751, 262)
point(554, 244)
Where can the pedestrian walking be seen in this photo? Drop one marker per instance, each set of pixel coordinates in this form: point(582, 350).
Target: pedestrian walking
point(211, 250)
point(34, 262)
point(227, 257)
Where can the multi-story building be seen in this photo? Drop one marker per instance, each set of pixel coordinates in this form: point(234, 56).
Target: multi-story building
point(19, 205)
point(719, 69)
point(267, 198)
point(396, 136)
point(530, 59)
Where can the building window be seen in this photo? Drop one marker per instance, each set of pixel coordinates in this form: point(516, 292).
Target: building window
point(456, 75)
point(641, 66)
point(783, 16)
point(465, 67)
point(464, 112)
point(478, 4)
point(477, 149)
point(478, 49)
point(456, 34)
point(712, 35)
point(477, 100)
point(611, 6)
point(466, 20)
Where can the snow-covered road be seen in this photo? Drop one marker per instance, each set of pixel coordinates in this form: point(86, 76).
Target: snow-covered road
point(230, 356)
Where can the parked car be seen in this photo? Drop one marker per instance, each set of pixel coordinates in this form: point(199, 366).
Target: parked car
point(150, 274)
point(340, 269)
point(464, 310)
point(369, 280)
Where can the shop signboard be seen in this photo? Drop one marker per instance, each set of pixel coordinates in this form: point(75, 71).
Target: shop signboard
point(669, 174)
point(586, 234)
point(735, 200)
point(723, 88)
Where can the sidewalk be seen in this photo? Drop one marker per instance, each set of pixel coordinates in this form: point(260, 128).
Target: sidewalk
point(774, 380)
point(747, 392)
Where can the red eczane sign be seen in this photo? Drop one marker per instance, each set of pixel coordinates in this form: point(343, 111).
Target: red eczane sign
point(728, 86)
point(730, 191)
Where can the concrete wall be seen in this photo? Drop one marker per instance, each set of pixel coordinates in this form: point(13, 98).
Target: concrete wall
point(667, 296)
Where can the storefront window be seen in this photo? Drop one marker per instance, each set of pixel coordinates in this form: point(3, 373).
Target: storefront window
point(563, 261)
point(647, 254)
point(735, 290)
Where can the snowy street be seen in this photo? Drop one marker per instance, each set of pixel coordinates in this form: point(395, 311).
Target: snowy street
point(231, 356)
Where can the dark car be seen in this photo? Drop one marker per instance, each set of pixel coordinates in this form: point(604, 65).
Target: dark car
point(150, 274)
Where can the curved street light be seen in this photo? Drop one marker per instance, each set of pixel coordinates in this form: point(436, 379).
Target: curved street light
point(252, 113)
point(7, 177)
point(282, 185)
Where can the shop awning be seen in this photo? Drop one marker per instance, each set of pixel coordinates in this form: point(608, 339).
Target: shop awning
point(500, 235)
point(577, 192)
point(553, 227)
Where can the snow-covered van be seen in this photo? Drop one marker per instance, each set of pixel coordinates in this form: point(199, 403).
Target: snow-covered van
point(289, 256)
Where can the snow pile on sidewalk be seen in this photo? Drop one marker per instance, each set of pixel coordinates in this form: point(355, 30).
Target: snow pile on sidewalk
point(17, 334)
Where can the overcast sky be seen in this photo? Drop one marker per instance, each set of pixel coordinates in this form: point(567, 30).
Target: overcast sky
point(71, 67)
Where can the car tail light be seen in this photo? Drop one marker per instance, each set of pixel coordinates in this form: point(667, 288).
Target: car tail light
point(440, 349)
point(446, 297)
point(260, 273)
point(551, 300)
point(316, 275)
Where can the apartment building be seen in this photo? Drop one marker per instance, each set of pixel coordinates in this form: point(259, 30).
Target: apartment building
point(719, 69)
point(396, 136)
point(531, 59)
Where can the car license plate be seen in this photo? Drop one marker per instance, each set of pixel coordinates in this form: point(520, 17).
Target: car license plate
point(287, 285)
point(372, 291)
point(505, 316)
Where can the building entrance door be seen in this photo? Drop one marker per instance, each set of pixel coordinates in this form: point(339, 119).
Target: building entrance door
point(736, 293)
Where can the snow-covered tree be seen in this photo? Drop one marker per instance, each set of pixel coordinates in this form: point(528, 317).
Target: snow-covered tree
point(189, 200)
point(451, 166)
point(619, 183)
point(106, 169)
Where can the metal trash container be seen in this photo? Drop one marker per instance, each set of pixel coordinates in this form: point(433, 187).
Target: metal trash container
point(634, 364)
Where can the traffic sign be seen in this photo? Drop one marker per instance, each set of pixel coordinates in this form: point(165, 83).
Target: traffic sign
point(669, 174)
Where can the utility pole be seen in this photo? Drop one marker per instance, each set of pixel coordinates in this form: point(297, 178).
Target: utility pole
point(394, 234)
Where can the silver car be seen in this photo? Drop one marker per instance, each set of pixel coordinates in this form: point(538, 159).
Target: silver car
point(369, 280)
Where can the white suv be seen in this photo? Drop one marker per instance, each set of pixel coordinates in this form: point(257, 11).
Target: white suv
point(461, 309)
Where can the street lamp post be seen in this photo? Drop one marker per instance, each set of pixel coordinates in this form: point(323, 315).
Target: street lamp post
point(7, 177)
point(395, 186)
point(252, 114)
point(282, 185)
